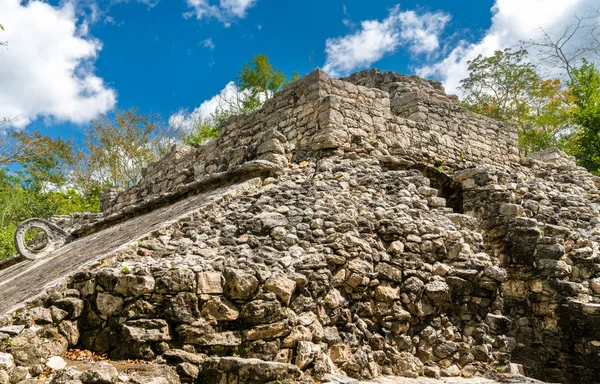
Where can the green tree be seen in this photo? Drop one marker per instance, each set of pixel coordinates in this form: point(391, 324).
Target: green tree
point(508, 88)
point(43, 161)
point(19, 200)
point(585, 88)
point(260, 80)
point(256, 83)
point(116, 148)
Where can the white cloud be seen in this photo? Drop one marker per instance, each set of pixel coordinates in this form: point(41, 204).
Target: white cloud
point(237, 7)
point(47, 70)
point(417, 33)
point(93, 11)
point(346, 20)
point(513, 21)
point(225, 11)
point(208, 43)
point(229, 99)
point(187, 121)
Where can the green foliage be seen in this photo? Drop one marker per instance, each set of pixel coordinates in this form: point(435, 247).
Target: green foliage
point(585, 88)
point(256, 83)
point(496, 84)
point(508, 88)
point(43, 160)
point(117, 147)
point(260, 80)
point(19, 200)
point(207, 129)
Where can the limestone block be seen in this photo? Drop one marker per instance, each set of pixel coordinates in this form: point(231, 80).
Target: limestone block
point(188, 371)
point(511, 210)
point(182, 308)
point(176, 280)
point(204, 337)
point(146, 330)
point(595, 285)
point(239, 285)
point(271, 145)
point(262, 312)
point(19, 374)
point(72, 305)
point(389, 272)
point(41, 315)
point(396, 247)
point(438, 292)
point(496, 273)
point(335, 299)
point(282, 287)
point(267, 331)
point(108, 305)
point(210, 283)
point(7, 362)
point(386, 292)
point(12, 330)
point(100, 373)
point(134, 285)
point(408, 365)
point(253, 370)
point(220, 310)
point(306, 353)
point(436, 202)
point(70, 331)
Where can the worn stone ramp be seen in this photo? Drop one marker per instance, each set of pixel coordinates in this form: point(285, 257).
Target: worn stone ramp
point(28, 279)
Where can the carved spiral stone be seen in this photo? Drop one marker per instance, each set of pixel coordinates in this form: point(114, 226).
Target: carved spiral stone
point(56, 237)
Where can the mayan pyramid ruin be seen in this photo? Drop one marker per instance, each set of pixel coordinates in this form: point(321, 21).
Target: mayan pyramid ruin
point(349, 229)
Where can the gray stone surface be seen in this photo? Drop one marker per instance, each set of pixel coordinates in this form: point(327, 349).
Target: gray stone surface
point(385, 231)
point(28, 279)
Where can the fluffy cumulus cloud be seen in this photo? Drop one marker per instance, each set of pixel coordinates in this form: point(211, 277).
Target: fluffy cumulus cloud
point(225, 10)
point(513, 21)
point(418, 33)
point(187, 121)
point(47, 69)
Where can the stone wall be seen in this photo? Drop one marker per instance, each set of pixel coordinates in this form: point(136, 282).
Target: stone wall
point(391, 114)
point(282, 125)
point(444, 131)
point(542, 221)
point(76, 221)
point(343, 265)
point(384, 234)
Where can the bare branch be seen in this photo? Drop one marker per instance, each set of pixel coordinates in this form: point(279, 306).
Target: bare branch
point(566, 49)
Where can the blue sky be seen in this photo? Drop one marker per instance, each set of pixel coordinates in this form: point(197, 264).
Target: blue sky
point(164, 64)
point(68, 61)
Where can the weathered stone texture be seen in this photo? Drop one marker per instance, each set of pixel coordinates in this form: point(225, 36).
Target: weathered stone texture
point(384, 231)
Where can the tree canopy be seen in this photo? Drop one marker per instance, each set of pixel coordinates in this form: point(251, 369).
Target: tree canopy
point(509, 88)
point(257, 82)
point(117, 146)
point(585, 88)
